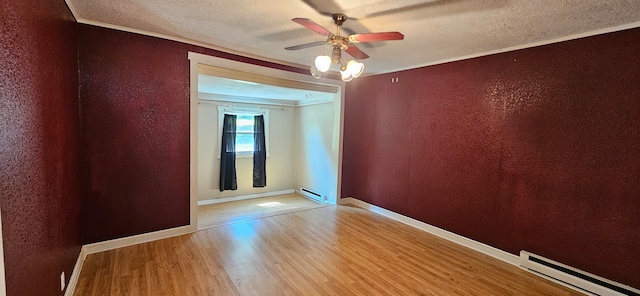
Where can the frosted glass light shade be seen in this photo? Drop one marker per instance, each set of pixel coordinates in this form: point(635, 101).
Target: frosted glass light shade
point(323, 63)
point(346, 75)
point(355, 68)
point(315, 72)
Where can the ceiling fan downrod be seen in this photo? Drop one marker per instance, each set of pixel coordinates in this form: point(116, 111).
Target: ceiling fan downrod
point(338, 19)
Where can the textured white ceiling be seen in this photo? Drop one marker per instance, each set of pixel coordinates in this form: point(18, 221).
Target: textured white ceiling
point(435, 30)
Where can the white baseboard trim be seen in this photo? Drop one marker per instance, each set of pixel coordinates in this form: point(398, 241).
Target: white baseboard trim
point(450, 236)
point(135, 239)
point(243, 197)
point(75, 274)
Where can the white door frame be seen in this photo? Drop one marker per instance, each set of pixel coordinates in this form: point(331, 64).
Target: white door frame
point(336, 146)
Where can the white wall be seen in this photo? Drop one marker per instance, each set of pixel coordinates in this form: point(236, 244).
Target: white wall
point(280, 162)
point(314, 140)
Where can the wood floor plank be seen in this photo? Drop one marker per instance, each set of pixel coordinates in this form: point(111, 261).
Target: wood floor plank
point(336, 250)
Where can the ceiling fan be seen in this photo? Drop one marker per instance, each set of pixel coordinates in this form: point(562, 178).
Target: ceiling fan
point(350, 69)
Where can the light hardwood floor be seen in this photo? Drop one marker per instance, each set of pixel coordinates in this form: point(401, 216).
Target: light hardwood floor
point(244, 210)
point(335, 250)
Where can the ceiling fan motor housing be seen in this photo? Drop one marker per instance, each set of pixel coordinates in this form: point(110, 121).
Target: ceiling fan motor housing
point(337, 42)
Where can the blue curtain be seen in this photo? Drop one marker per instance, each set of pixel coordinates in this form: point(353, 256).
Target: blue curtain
point(228, 179)
point(259, 153)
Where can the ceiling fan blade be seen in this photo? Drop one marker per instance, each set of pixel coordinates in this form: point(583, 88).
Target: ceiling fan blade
point(371, 37)
point(307, 45)
point(356, 52)
point(323, 7)
point(311, 25)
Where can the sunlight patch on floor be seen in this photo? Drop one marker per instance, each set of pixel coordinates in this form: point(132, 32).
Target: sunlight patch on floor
point(270, 204)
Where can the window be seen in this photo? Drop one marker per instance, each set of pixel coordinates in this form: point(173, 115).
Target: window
point(244, 128)
point(244, 133)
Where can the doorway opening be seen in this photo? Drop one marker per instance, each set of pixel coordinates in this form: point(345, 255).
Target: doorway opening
point(303, 146)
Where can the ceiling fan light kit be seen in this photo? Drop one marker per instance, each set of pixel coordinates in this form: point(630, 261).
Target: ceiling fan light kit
point(346, 75)
point(323, 63)
point(348, 69)
point(355, 68)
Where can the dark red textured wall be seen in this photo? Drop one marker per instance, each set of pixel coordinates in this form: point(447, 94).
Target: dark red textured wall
point(39, 137)
point(536, 149)
point(134, 93)
point(134, 96)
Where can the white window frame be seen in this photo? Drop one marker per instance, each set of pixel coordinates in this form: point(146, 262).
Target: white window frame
point(222, 110)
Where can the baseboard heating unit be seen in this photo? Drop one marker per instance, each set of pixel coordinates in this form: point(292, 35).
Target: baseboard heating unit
point(581, 280)
point(312, 194)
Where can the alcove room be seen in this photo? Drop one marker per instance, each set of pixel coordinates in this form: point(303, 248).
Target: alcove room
point(300, 131)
